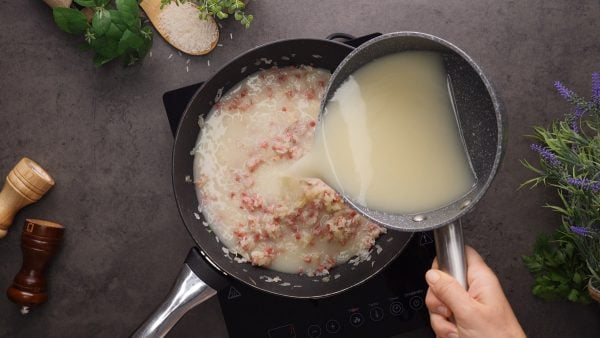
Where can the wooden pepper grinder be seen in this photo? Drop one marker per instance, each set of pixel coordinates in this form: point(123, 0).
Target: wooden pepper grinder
point(40, 240)
point(26, 183)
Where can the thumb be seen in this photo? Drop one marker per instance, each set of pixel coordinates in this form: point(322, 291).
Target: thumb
point(448, 291)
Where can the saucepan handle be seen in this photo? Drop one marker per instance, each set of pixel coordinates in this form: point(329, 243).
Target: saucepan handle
point(450, 249)
point(187, 291)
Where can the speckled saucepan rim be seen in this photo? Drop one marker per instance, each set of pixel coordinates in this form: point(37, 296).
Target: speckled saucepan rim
point(442, 216)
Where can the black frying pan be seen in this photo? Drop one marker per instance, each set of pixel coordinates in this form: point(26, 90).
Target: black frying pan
point(189, 289)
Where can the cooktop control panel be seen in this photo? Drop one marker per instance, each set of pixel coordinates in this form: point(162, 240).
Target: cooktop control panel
point(389, 304)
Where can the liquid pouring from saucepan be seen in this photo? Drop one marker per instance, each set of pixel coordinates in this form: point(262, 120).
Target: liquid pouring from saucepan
point(389, 138)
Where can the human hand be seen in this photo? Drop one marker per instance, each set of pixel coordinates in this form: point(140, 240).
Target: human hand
point(480, 311)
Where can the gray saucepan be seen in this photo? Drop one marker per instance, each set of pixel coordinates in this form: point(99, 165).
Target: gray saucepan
point(478, 113)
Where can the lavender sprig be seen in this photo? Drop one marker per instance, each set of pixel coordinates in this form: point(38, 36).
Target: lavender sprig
point(578, 112)
point(575, 117)
point(581, 231)
point(584, 184)
point(569, 156)
point(596, 88)
point(565, 92)
point(570, 96)
point(546, 154)
point(575, 127)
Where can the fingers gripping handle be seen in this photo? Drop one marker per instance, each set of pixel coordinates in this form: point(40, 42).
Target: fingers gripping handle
point(450, 249)
point(188, 291)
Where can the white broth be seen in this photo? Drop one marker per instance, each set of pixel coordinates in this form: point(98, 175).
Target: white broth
point(389, 138)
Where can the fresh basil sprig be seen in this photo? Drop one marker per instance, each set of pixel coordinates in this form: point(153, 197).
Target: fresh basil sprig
point(115, 31)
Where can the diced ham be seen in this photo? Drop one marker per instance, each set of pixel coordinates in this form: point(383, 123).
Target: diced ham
point(254, 163)
point(252, 202)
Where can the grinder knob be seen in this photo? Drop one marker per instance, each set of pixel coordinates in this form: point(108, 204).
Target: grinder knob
point(40, 240)
point(26, 183)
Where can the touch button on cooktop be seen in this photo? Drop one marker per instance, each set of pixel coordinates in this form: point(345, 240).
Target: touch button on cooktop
point(332, 326)
point(357, 319)
point(376, 313)
point(284, 331)
point(314, 331)
point(396, 308)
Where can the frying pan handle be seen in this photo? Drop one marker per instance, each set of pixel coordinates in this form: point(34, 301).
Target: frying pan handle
point(187, 292)
point(351, 40)
point(450, 249)
point(341, 36)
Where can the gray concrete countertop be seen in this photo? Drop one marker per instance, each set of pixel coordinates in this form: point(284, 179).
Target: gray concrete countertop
point(103, 134)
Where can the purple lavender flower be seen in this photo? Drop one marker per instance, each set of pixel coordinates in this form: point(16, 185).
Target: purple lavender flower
point(584, 184)
point(575, 125)
point(575, 117)
point(563, 91)
point(546, 154)
point(596, 88)
point(578, 113)
point(581, 231)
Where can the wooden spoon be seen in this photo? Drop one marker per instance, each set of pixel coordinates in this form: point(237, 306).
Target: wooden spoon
point(204, 33)
point(59, 3)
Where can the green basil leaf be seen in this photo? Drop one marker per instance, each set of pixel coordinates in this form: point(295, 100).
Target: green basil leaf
point(105, 47)
point(114, 32)
point(130, 40)
point(145, 48)
point(116, 19)
point(86, 3)
point(125, 21)
point(100, 59)
point(146, 32)
point(102, 3)
point(129, 6)
point(101, 22)
point(70, 20)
